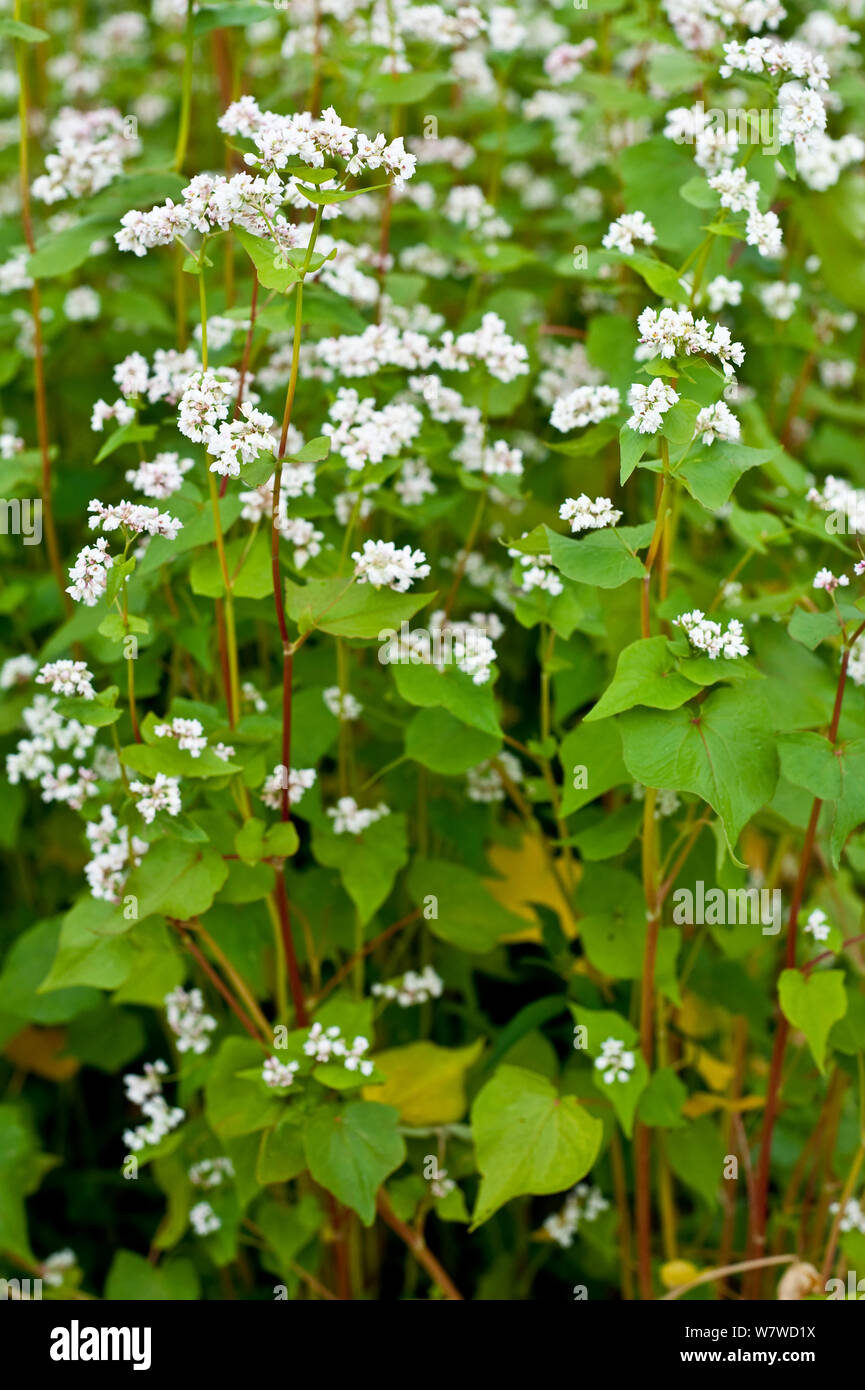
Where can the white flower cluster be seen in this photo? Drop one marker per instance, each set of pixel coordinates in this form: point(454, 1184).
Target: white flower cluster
point(773, 56)
point(467, 205)
point(583, 1204)
point(190, 736)
point(780, 299)
point(490, 345)
point(55, 1267)
point(415, 482)
point(282, 141)
point(91, 148)
point(586, 405)
point(277, 1074)
point(676, 333)
point(564, 62)
point(825, 579)
point(115, 852)
point(839, 497)
point(184, 1010)
point(823, 160)
point(133, 517)
point(350, 819)
point(707, 636)
point(211, 1172)
point(630, 227)
point(698, 23)
point(326, 1044)
point(14, 274)
point(615, 1061)
point(162, 794)
point(146, 1092)
point(537, 574)
point(299, 781)
point(586, 515)
point(649, 404)
point(383, 565)
point(415, 987)
point(484, 782)
point(203, 1219)
point(722, 292)
point(853, 1217)
point(68, 678)
point(717, 422)
point(818, 924)
point(89, 574)
point(31, 761)
point(344, 706)
point(362, 434)
point(16, 671)
point(161, 477)
point(211, 203)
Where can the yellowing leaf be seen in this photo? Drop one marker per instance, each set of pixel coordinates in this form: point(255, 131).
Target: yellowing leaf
point(696, 1018)
point(718, 1074)
point(702, 1103)
point(38, 1050)
point(425, 1083)
point(677, 1272)
point(524, 878)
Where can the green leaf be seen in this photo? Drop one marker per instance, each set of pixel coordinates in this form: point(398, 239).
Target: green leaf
point(262, 253)
point(809, 761)
point(711, 477)
point(850, 807)
point(163, 755)
point(92, 949)
point(313, 451)
point(228, 17)
point(661, 1102)
point(399, 88)
point(133, 1279)
point(281, 841)
point(813, 1003)
point(645, 675)
point(697, 1158)
point(723, 752)
point(177, 879)
point(250, 568)
point(591, 759)
point(605, 558)
point(234, 1104)
point(21, 1169)
point(281, 1156)
point(326, 196)
point(88, 712)
point(632, 447)
point(356, 610)
point(466, 913)
point(14, 29)
point(528, 1139)
point(428, 686)
point(367, 863)
point(350, 1151)
point(440, 742)
point(813, 628)
point(624, 1096)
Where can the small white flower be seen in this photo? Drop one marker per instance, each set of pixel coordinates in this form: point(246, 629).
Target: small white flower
point(203, 1219)
point(615, 1061)
point(276, 1073)
point(384, 566)
point(825, 579)
point(818, 925)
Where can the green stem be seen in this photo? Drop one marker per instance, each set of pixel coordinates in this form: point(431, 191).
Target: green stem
point(186, 92)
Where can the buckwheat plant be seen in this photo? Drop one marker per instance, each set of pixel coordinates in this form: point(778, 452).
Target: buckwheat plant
point(339, 956)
